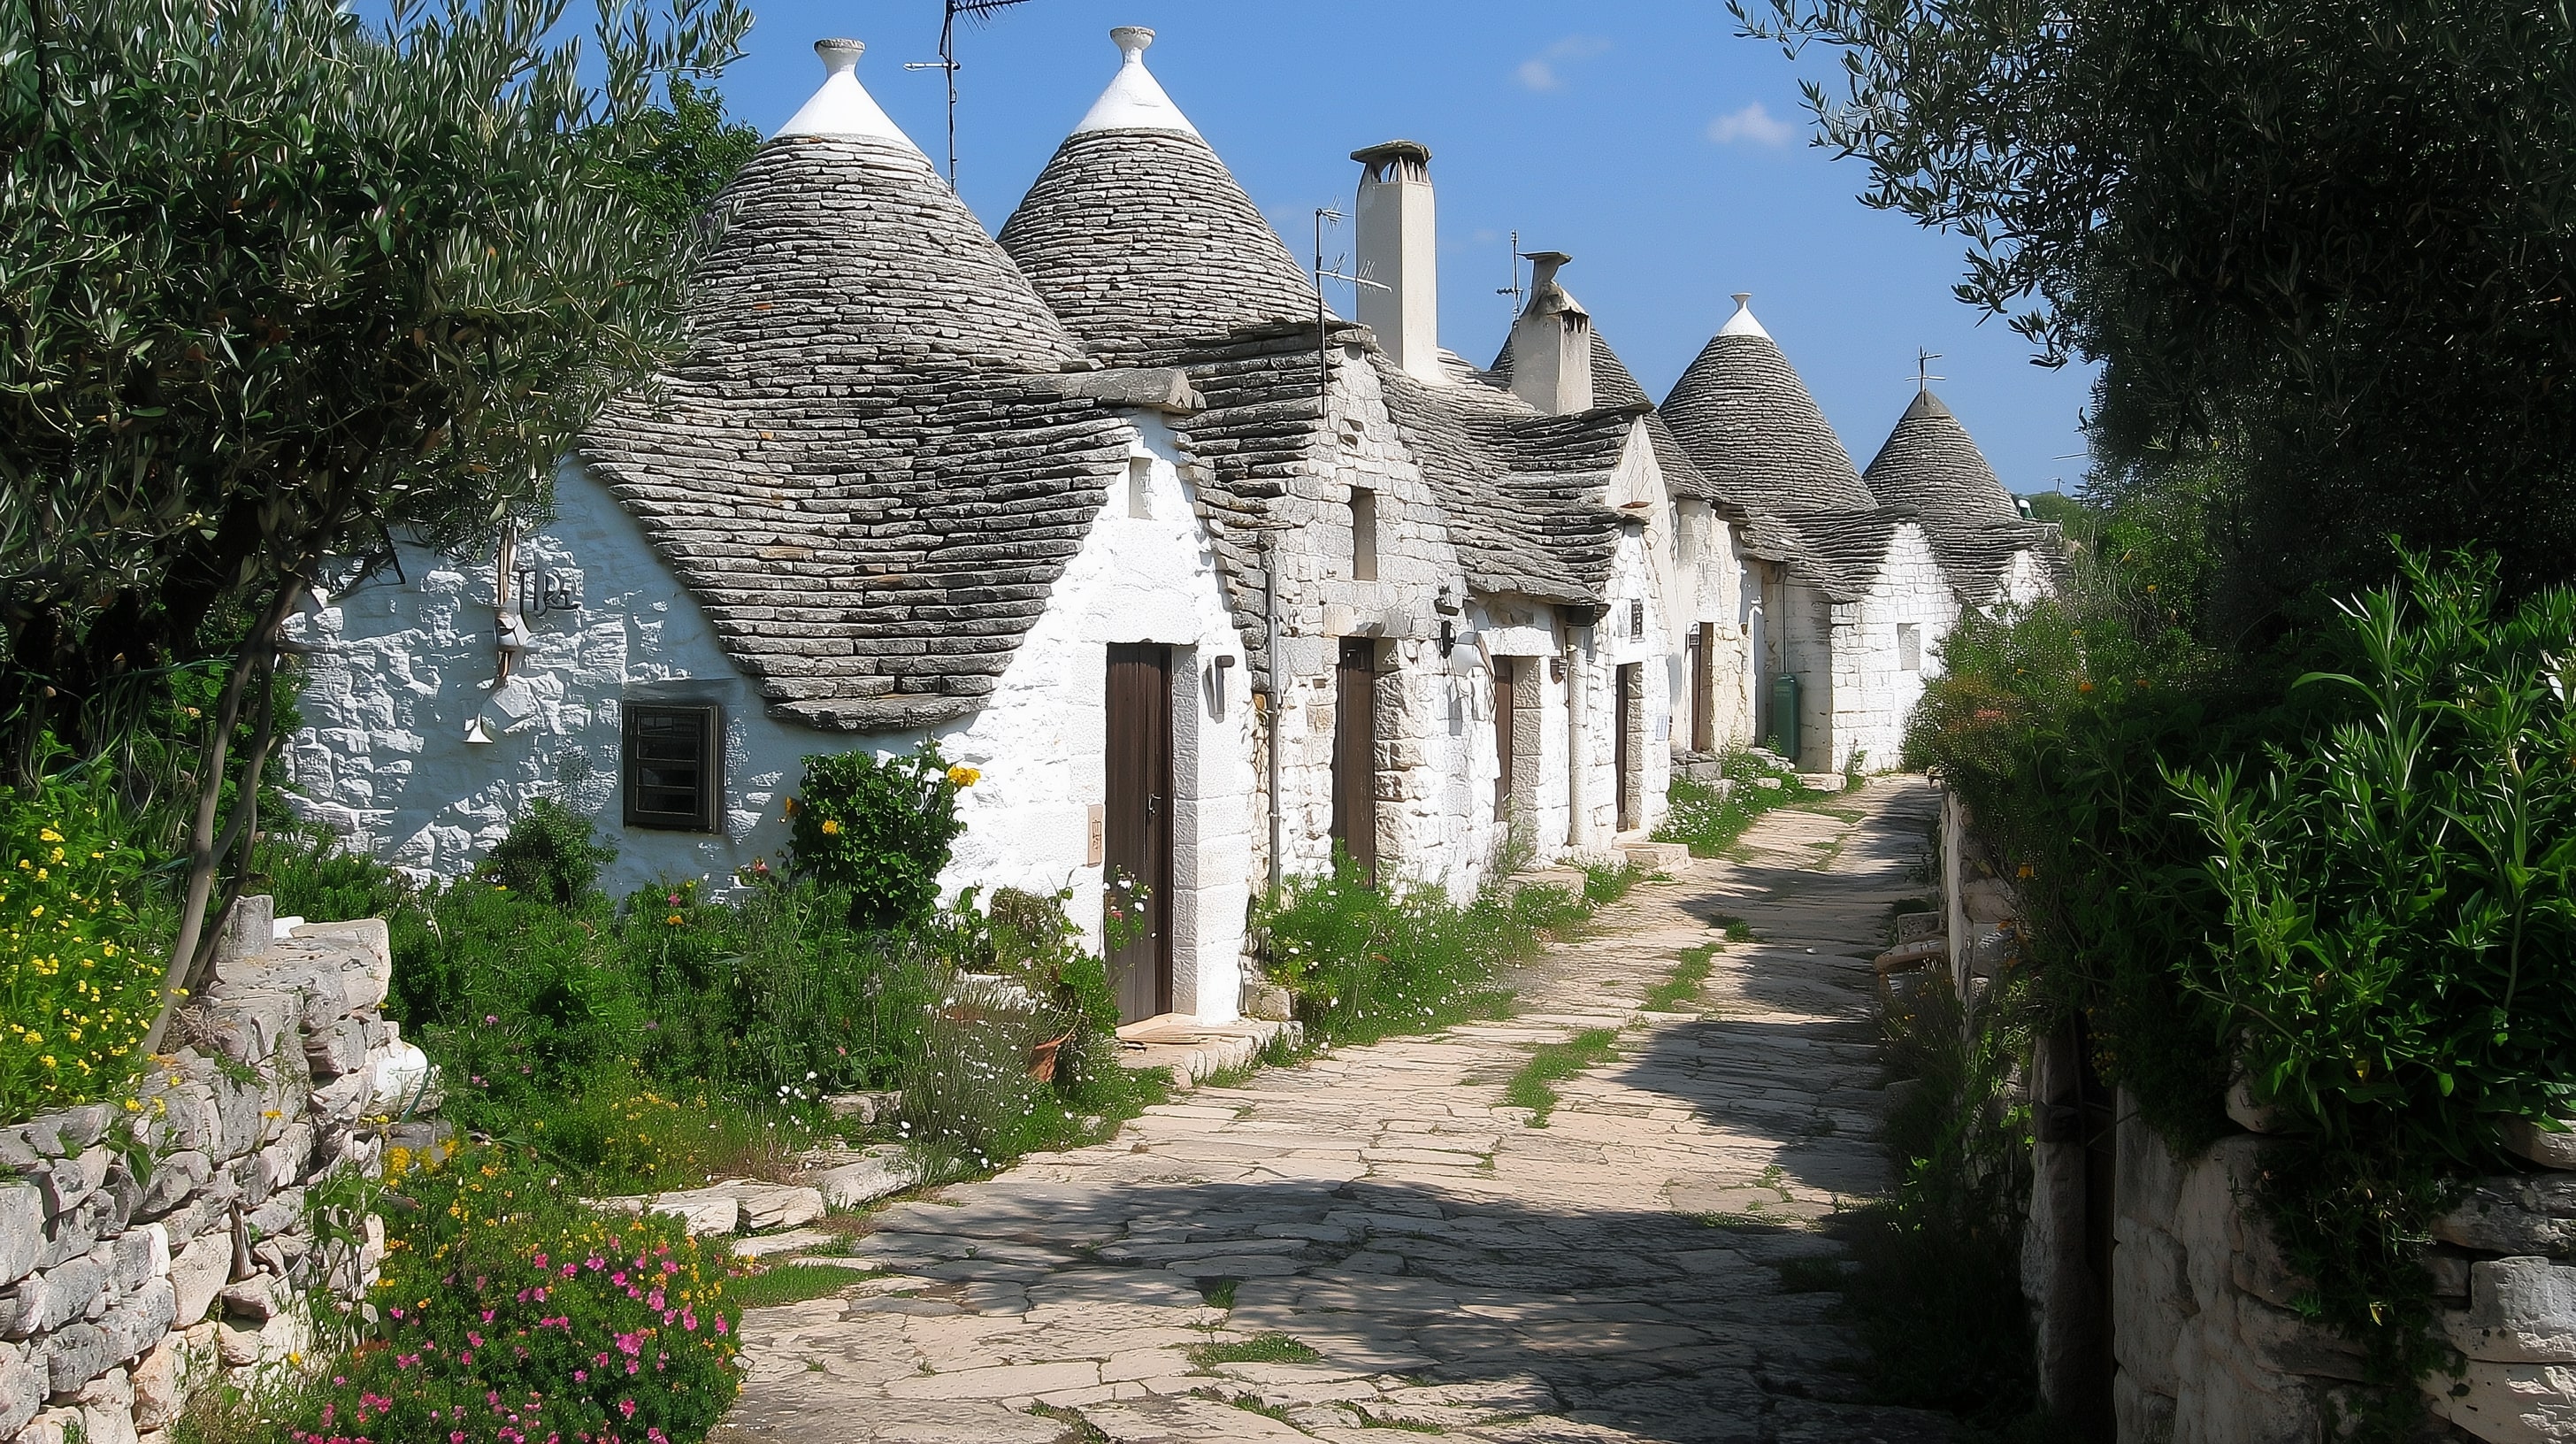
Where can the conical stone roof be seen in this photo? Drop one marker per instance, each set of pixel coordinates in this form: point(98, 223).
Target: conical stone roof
point(1136, 233)
point(1930, 464)
point(866, 469)
point(843, 246)
point(1746, 419)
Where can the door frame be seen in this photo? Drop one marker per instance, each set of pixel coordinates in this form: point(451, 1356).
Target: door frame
point(1159, 824)
point(1354, 824)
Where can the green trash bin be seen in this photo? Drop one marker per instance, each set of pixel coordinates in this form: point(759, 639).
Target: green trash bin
point(1784, 716)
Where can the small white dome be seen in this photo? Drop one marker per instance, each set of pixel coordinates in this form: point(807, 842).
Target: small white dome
point(843, 108)
point(1742, 322)
point(1134, 99)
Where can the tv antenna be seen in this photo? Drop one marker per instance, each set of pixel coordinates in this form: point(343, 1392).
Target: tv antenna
point(947, 62)
point(1923, 377)
point(1327, 216)
point(1514, 290)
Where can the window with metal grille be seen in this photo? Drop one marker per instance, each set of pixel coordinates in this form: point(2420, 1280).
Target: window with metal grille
point(1637, 621)
point(675, 766)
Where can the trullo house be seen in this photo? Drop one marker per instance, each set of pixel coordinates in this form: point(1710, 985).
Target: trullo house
point(1207, 582)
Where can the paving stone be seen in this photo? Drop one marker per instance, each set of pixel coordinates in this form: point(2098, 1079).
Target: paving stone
point(1448, 1264)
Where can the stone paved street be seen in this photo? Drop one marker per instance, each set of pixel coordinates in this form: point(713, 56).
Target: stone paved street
point(1606, 1277)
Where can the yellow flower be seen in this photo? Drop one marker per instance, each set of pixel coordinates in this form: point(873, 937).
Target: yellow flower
point(964, 776)
point(831, 828)
point(674, 920)
point(47, 1060)
point(49, 835)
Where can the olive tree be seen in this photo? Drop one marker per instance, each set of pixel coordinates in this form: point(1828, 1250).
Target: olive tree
point(2333, 241)
point(276, 283)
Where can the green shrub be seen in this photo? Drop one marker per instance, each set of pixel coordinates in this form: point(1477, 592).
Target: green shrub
point(310, 875)
point(507, 1313)
point(79, 977)
point(879, 830)
point(1365, 963)
point(549, 851)
point(2348, 924)
point(2399, 894)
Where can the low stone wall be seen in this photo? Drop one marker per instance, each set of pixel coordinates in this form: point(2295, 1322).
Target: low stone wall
point(2208, 1348)
point(151, 1245)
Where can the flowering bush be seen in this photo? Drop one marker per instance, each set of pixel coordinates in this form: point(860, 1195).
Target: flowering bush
point(76, 994)
point(506, 1317)
point(879, 829)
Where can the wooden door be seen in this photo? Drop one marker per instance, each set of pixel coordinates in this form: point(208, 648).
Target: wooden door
point(1704, 688)
point(1505, 700)
point(1136, 840)
point(1623, 720)
point(1355, 755)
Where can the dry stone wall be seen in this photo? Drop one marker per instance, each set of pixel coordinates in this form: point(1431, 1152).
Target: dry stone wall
point(154, 1244)
point(2210, 1347)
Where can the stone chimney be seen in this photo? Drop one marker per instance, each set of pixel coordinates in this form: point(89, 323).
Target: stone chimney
point(1552, 343)
point(1399, 251)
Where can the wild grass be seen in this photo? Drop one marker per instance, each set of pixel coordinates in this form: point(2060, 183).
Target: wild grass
point(788, 1283)
point(1553, 1063)
point(1259, 1349)
point(1712, 819)
point(1674, 993)
point(1367, 964)
point(1935, 1286)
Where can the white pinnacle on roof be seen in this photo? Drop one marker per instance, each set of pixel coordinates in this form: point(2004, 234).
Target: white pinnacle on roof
point(843, 107)
point(1134, 99)
point(1742, 322)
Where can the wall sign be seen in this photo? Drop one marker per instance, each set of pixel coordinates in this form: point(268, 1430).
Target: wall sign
point(541, 592)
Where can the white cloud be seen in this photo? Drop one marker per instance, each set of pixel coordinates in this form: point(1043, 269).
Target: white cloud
point(1752, 125)
point(1539, 72)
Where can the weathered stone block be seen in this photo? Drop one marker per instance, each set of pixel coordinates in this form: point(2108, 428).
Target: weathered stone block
point(23, 1385)
point(2521, 1311)
point(2509, 1403)
point(70, 1287)
point(84, 1125)
point(198, 1274)
point(160, 1378)
point(2151, 1299)
point(2517, 1215)
point(22, 1230)
point(260, 1297)
point(340, 1048)
point(68, 1182)
point(175, 1177)
point(2542, 1146)
point(130, 1259)
point(107, 1409)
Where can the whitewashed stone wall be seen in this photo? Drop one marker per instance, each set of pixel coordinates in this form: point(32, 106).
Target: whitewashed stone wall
point(400, 669)
point(1872, 694)
point(1435, 775)
point(150, 1249)
point(1713, 585)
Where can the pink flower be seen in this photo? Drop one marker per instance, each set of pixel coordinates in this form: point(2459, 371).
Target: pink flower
point(626, 1407)
point(581, 1376)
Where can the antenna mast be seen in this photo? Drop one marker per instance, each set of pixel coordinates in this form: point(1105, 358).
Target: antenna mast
point(947, 61)
point(1514, 290)
point(1923, 377)
point(1325, 216)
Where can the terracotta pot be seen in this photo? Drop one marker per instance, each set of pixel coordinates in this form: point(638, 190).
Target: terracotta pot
point(1042, 1059)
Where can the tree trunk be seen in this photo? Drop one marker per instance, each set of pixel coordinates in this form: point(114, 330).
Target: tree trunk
point(255, 658)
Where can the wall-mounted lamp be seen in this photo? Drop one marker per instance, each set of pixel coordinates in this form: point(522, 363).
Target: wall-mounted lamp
point(1216, 682)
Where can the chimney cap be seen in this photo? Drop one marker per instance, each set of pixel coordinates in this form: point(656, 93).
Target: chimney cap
point(839, 53)
point(1385, 150)
point(1546, 258)
point(1132, 40)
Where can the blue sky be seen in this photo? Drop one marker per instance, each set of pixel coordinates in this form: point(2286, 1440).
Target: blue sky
point(1667, 154)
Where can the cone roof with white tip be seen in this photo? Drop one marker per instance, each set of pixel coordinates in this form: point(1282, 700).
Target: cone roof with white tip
point(866, 468)
point(1136, 233)
point(1756, 434)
